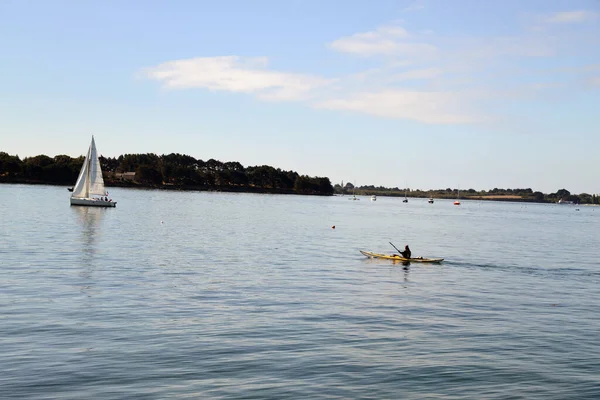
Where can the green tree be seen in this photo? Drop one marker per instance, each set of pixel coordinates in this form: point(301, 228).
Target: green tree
point(316, 185)
point(10, 165)
point(214, 165)
point(34, 166)
point(538, 196)
point(148, 174)
point(585, 198)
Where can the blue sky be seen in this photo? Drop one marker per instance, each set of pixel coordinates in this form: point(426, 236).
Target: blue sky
point(431, 94)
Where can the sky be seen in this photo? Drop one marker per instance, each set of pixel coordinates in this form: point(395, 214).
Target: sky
point(426, 94)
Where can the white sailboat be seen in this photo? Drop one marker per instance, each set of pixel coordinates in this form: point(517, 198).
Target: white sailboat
point(354, 192)
point(89, 188)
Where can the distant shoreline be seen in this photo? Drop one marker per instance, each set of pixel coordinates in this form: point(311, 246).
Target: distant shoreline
point(183, 188)
point(182, 172)
point(435, 194)
point(260, 190)
point(514, 195)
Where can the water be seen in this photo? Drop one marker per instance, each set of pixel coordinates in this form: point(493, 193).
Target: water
point(217, 295)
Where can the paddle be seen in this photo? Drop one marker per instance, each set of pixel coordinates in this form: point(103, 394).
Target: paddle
point(396, 249)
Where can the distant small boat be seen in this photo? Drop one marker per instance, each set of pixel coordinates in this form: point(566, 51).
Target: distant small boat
point(373, 198)
point(353, 193)
point(70, 189)
point(457, 202)
point(430, 201)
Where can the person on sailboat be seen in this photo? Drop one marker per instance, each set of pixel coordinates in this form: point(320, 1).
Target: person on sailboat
point(406, 253)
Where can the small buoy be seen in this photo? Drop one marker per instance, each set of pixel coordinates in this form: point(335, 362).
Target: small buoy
point(161, 222)
point(333, 227)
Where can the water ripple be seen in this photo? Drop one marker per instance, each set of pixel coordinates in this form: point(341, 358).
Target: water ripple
point(240, 296)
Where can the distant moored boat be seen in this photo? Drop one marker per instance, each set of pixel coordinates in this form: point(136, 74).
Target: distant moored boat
point(457, 202)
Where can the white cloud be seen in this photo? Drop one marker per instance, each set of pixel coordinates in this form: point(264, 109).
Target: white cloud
point(235, 74)
point(427, 107)
point(426, 73)
point(569, 17)
point(415, 6)
point(451, 80)
point(386, 40)
point(488, 49)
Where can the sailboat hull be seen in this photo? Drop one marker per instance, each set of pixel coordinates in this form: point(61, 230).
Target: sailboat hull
point(92, 202)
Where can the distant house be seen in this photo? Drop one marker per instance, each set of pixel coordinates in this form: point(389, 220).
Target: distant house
point(125, 176)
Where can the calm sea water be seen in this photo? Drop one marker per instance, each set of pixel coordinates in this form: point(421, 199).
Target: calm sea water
point(215, 295)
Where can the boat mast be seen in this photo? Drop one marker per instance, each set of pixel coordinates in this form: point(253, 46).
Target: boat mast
point(87, 178)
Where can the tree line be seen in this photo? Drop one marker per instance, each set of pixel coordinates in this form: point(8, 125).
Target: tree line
point(171, 171)
point(498, 194)
point(179, 171)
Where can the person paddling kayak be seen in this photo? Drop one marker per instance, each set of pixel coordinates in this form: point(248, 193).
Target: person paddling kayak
point(406, 253)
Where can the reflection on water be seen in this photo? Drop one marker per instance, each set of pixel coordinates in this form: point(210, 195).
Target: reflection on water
point(90, 219)
point(405, 268)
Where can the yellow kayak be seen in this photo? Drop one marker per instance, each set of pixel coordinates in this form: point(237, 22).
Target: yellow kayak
point(398, 257)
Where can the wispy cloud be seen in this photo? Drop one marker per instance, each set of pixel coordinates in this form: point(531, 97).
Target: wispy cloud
point(570, 17)
point(388, 40)
point(415, 6)
point(235, 74)
point(508, 46)
point(425, 73)
point(419, 76)
point(427, 107)
point(448, 80)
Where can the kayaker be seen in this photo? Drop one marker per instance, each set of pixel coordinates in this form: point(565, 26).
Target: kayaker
point(406, 253)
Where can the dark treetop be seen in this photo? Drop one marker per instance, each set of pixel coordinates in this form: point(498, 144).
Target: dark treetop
point(172, 171)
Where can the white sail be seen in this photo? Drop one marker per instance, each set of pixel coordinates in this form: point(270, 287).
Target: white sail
point(80, 188)
point(96, 180)
point(90, 181)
